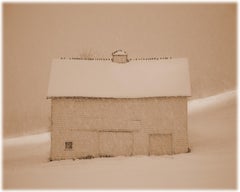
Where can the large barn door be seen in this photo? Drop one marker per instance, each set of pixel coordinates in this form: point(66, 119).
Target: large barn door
point(160, 144)
point(115, 143)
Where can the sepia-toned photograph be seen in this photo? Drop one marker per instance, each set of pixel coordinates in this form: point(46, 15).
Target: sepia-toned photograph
point(137, 96)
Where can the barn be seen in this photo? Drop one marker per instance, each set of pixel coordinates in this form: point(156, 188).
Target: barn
point(118, 106)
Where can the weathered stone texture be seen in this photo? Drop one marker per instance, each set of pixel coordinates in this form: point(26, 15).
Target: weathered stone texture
point(92, 124)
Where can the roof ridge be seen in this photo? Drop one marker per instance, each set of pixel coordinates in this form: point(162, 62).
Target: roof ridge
point(105, 59)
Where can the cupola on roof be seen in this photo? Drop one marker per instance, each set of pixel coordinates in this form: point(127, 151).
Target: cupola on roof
point(119, 56)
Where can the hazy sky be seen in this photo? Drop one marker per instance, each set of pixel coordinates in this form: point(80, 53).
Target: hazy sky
point(34, 34)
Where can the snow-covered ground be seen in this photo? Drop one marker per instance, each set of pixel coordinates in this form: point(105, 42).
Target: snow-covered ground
point(210, 165)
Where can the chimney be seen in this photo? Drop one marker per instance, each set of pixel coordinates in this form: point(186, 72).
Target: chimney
point(119, 56)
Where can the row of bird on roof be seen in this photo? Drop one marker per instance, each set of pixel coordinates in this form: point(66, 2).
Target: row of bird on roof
point(108, 59)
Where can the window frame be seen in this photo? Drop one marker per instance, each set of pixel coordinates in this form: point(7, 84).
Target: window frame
point(68, 146)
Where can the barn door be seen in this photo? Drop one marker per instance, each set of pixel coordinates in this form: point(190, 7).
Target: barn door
point(160, 144)
point(115, 143)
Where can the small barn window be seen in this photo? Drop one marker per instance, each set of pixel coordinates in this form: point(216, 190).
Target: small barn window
point(68, 145)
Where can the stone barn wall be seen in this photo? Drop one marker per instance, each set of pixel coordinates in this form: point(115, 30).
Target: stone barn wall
point(111, 127)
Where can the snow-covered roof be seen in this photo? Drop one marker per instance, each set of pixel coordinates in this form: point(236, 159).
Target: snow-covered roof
point(136, 79)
